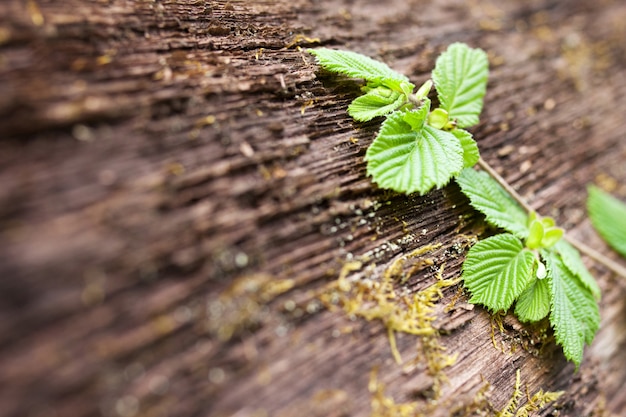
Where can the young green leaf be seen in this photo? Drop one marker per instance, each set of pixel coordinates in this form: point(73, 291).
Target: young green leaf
point(393, 84)
point(497, 270)
point(488, 197)
point(423, 91)
point(438, 118)
point(551, 237)
point(355, 65)
point(471, 155)
point(418, 118)
point(460, 76)
point(535, 235)
point(534, 303)
point(574, 313)
point(608, 216)
point(409, 156)
point(378, 101)
point(573, 262)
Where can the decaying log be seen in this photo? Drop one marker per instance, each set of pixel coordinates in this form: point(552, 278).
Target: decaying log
point(187, 228)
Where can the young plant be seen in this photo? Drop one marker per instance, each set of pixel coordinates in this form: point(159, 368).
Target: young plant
point(530, 265)
point(418, 148)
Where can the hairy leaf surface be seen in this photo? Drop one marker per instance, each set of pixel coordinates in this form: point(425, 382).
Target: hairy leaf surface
point(471, 155)
point(460, 76)
point(608, 216)
point(355, 65)
point(375, 103)
point(488, 197)
point(574, 313)
point(534, 303)
point(413, 157)
point(573, 262)
point(497, 270)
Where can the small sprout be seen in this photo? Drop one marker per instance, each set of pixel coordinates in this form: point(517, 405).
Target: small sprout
point(535, 235)
point(548, 222)
point(438, 118)
point(551, 237)
point(543, 234)
point(558, 268)
point(423, 91)
point(382, 91)
point(417, 157)
point(417, 150)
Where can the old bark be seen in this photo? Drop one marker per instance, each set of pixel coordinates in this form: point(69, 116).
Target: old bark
point(180, 187)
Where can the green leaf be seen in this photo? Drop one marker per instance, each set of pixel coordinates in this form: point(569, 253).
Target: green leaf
point(574, 313)
point(398, 85)
point(535, 234)
point(471, 155)
point(534, 303)
point(460, 76)
point(497, 270)
point(408, 156)
point(438, 118)
point(354, 65)
point(551, 237)
point(416, 119)
point(377, 102)
point(488, 197)
point(608, 216)
point(424, 89)
point(572, 260)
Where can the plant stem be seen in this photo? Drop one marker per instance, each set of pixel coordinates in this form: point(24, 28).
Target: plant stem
point(590, 252)
point(414, 100)
point(492, 172)
point(597, 256)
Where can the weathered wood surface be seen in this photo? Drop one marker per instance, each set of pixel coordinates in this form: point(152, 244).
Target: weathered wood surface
point(179, 185)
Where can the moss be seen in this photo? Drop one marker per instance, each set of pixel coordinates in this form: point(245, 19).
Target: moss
point(359, 292)
point(496, 322)
point(242, 304)
point(430, 347)
point(379, 300)
point(413, 314)
point(535, 402)
point(385, 406)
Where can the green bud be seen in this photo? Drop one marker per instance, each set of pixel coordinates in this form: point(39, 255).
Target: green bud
point(423, 91)
point(551, 237)
point(406, 88)
point(535, 236)
point(548, 222)
point(383, 91)
point(438, 118)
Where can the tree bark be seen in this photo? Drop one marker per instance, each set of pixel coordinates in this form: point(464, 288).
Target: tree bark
point(181, 189)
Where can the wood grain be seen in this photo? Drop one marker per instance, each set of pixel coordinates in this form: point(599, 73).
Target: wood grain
point(180, 185)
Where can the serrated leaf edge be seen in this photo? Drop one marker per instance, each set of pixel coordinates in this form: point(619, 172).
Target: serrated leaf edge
point(501, 257)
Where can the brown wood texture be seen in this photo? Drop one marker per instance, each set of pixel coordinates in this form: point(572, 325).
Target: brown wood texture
point(180, 186)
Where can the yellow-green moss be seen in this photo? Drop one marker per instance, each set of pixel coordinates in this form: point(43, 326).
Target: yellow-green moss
point(384, 406)
point(242, 303)
point(380, 300)
point(535, 403)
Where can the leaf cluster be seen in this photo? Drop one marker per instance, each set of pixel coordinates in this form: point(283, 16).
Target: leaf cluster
point(531, 266)
point(417, 148)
